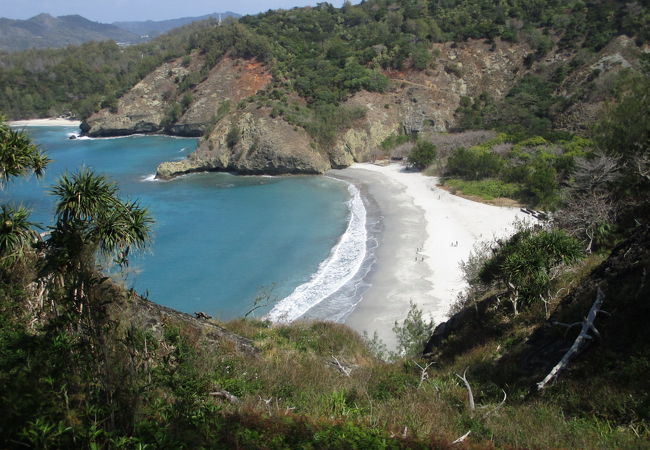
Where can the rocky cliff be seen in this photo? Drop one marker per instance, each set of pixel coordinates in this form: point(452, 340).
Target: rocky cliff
point(229, 82)
point(417, 103)
point(251, 142)
point(425, 102)
point(143, 109)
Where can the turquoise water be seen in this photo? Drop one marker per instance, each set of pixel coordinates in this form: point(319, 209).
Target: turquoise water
point(219, 240)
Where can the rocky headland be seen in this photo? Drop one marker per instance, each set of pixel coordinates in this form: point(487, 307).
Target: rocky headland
point(242, 135)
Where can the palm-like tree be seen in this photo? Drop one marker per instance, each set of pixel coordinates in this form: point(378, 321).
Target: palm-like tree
point(90, 220)
point(90, 207)
point(18, 155)
point(16, 233)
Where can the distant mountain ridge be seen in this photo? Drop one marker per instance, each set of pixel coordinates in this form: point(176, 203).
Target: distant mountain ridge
point(153, 28)
point(46, 31)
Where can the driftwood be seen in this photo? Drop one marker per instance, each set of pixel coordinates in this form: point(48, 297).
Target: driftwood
point(587, 325)
point(462, 438)
point(345, 370)
point(470, 395)
point(225, 395)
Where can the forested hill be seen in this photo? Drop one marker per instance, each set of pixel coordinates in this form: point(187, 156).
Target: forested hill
point(45, 31)
point(324, 54)
point(548, 346)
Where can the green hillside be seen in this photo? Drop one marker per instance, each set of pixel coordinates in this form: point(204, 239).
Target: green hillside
point(547, 348)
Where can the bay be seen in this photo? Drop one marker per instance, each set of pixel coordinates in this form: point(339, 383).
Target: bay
point(219, 240)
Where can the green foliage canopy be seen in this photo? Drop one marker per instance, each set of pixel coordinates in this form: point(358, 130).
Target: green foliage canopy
point(422, 155)
point(523, 263)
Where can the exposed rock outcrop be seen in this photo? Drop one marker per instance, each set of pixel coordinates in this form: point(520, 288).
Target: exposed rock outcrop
point(229, 82)
point(251, 142)
point(589, 87)
point(143, 108)
point(152, 317)
point(425, 102)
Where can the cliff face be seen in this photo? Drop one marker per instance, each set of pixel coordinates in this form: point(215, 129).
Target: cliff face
point(229, 82)
point(590, 86)
point(417, 103)
point(143, 108)
point(251, 142)
point(421, 103)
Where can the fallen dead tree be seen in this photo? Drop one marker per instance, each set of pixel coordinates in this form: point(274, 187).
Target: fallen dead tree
point(578, 345)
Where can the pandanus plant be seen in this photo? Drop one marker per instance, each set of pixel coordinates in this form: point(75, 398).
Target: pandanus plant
point(18, 157)
point(92, 221)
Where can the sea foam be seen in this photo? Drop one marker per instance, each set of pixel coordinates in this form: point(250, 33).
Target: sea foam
point(343, 262)
point(150, 177)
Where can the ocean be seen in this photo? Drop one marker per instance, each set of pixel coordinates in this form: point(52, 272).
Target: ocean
point(297, 244)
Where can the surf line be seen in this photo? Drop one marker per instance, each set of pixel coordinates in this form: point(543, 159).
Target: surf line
point(344, 261)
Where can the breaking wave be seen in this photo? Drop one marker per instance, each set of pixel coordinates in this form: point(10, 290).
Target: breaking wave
point(343, 262)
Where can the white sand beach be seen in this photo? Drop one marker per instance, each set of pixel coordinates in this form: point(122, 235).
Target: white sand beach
point(418, 258)
point(51, 122)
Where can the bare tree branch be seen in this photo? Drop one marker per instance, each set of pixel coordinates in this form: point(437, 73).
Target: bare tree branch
point(462, 438)
point(424, 374)
point(505, 396)
point(345, 370)
point(470, 395)
point(225, 395)
point(583, 337)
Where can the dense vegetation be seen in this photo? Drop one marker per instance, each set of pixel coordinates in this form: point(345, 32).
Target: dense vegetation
point(322, 53)
point(78, 370)
point(78, 80)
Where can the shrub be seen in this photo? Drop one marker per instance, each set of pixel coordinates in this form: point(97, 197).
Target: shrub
point(523, 263)
point(474, 163)
point(233, 136)
point(487, 189)
point(413, 333)
point(422, 155)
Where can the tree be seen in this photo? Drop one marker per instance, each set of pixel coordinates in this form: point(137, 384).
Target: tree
point(624, 134)
point(589, 209)
point(92, 220)
point(413, 333)
point(422, 155)
point(523, 264)
point(18, 155)
point(16, 234)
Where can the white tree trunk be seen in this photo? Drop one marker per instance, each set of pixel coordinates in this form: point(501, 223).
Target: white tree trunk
point(583, 337)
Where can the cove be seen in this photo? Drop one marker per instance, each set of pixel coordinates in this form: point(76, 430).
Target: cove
point(219, 240)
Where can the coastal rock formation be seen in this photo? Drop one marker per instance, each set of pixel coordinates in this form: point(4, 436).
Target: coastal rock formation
point(590, 85)
point(251, 142)
point(417, 103)
point(144, 108)
point(424, 102)
point(229, 82)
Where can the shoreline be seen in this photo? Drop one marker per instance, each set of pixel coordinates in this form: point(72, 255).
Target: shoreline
point(417, 259)
point(49, 122)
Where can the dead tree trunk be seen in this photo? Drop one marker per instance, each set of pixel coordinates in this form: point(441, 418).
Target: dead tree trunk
point(470, 394)
point(581, 340)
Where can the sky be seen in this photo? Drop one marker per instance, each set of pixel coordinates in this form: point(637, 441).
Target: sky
point(108, 11)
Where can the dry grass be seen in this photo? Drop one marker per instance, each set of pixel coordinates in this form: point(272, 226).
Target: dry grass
point(295, 376)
